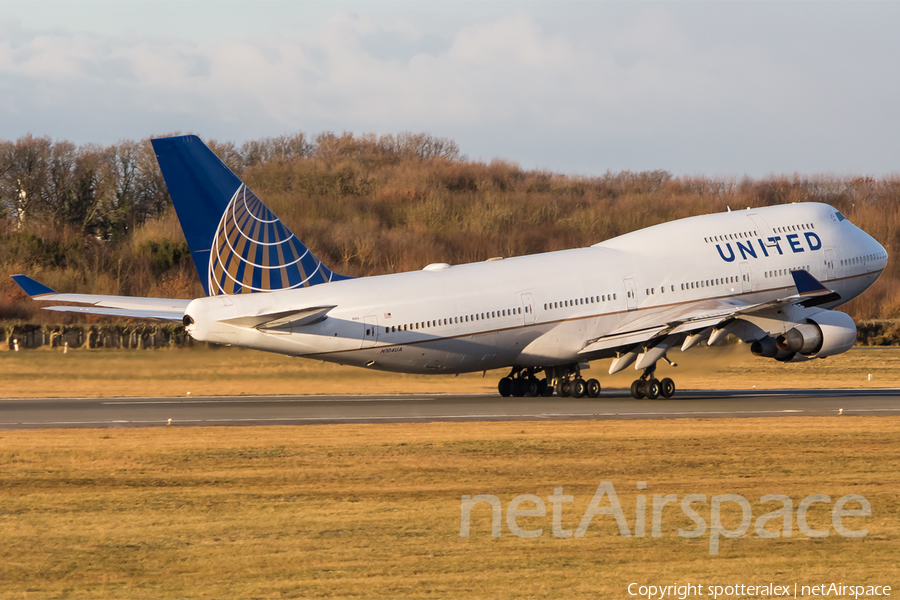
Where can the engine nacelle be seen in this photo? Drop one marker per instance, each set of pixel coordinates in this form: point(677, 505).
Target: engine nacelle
point(824, 334)
point(806, 339)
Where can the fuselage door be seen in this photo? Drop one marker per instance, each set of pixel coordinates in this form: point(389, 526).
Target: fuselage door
point(762, 229)
point(829, 264)
point(528, 308)
point(630, 294)
point(746, 283)
point(370, 332)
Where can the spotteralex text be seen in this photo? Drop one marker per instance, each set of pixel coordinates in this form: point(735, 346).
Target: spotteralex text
point(683, 591)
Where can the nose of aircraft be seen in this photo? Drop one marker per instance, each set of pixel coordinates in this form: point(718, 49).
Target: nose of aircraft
point(877, 248)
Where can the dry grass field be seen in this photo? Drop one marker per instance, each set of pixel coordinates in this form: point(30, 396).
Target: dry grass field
point(373, 511)
point(230, 371)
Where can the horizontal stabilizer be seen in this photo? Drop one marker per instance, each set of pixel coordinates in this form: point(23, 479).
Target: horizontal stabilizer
point(164, 315)
point(273, 320)
point(128, 302)
point(132, 307)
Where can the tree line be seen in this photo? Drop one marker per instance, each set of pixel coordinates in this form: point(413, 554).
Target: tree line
point(96, 219)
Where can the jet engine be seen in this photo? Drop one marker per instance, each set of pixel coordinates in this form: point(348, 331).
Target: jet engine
point(824, 334)
point(768, 348)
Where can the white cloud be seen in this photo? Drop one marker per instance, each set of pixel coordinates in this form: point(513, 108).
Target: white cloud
point(653, 87)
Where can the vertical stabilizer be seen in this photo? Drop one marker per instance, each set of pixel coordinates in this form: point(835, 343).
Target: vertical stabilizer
point(237, 243)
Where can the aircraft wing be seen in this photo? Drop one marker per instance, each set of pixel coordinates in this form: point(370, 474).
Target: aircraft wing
point(166, 309)
point(711, 313)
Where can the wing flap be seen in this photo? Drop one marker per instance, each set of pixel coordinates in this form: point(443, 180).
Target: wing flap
point(629, 338)
point(709, 313)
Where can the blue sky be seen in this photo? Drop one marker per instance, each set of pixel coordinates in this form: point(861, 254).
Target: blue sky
point(697, 88)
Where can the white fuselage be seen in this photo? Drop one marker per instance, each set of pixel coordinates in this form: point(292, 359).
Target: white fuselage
point(541, 310)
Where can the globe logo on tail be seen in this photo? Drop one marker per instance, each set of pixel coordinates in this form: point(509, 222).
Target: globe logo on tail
point(253, 251)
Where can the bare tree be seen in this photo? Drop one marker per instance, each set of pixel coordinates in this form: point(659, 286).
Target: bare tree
point(24, 179)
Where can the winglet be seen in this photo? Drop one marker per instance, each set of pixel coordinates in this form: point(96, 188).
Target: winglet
point(32, 287)
point(806, 283)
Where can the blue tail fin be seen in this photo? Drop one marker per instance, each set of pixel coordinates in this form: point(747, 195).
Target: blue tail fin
point(237, 243)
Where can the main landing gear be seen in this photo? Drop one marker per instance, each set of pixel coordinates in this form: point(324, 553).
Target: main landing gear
point(565, 382)
point(650, 387)
point(522, 382)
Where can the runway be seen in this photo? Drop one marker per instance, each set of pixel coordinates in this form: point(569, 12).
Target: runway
point(18, 413)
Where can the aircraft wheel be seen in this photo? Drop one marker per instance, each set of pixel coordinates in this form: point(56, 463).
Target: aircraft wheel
point(637, 389)
point(578, 388)
point(544, 388)
point(667, 388)
point(651, 389)
point(593, 388)
point(563, 388)
point(505, 387)
point(518, 388)
point(531, 387)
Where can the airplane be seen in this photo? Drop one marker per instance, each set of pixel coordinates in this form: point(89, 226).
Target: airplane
point(770, 276)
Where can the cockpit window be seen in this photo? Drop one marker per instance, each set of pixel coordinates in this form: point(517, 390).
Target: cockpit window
point(839, 216)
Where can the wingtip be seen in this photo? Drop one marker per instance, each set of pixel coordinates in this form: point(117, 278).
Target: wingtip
point(806, 283)
point(31, 287)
